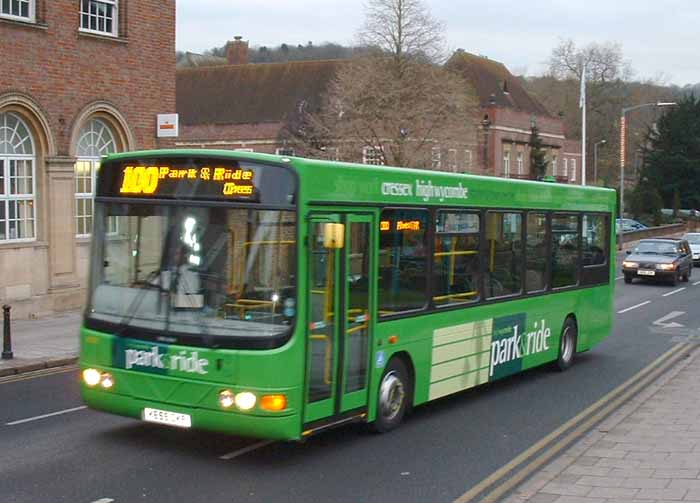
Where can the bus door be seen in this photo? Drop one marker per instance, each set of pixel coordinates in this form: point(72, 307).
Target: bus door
point(339, 332)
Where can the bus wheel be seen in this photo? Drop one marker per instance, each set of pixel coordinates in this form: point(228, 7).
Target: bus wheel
point(393, 396)
point(567, 346)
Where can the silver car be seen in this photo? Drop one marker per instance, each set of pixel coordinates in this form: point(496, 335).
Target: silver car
point(693, 239)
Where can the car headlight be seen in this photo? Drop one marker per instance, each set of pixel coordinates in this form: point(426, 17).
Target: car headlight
point(630, 265)
point(666, 267)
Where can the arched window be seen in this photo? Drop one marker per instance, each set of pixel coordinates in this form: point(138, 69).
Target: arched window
point(17, 183)
point(95, 141)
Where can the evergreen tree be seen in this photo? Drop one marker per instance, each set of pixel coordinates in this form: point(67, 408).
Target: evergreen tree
point(538, 156)
point(673, 155)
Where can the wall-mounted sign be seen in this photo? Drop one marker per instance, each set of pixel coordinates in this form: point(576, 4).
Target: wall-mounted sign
point(167, 126)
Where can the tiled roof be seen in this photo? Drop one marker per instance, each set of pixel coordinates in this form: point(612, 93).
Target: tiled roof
point(494, 84)
point(251, 93)
point(193, 60)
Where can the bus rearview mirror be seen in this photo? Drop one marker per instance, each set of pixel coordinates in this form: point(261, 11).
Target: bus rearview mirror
point(333, 235)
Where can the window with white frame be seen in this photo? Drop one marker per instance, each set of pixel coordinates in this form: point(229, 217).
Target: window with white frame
point(573, 170)
point(506, 163)
point(521, 163)
point(467, 159)
point(373, 155)
point(436, 158)
point(566, 167)
point(96, 140)
point(17, 180)
point(452, 160)
point(284, 151)
point(555, 160)
point(99, 16)
point(22, 10)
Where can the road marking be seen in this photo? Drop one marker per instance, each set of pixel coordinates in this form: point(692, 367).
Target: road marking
point(44, 416)
point(662, 322)
point(246, 450)
point(673, 292)
point(597, 412)
point(619, 278)
point(634, 307)
point(103, 500)
point(696, 283)
point(37, 374)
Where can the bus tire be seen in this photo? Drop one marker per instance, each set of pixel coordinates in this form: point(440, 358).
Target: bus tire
point(567, 345)
point(393, 396)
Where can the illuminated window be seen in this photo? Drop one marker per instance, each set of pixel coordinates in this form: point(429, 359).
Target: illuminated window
point(22, 10)
point(373, 156)
point(96, 140)
point(17, 159)
point(98, 16)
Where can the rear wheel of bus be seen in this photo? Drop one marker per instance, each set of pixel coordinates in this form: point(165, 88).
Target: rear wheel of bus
point(393, 396)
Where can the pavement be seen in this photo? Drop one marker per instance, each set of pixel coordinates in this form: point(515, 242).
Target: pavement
point(43, 343)
point(647, 451)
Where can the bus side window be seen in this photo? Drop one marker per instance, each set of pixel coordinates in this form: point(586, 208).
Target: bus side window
point(536, 252)
point(403, 260)
point(565, 245)
point(456, 258)
point(504, 253)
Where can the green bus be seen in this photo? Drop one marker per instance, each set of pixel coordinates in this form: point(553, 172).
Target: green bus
point(275, 297)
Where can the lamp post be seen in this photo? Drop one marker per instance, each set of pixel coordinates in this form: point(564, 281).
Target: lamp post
point(623, 128)
point(595, 159)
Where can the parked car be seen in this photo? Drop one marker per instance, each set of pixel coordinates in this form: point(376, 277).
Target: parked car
point(693, 239)
point(628, 225)
point(661, 258)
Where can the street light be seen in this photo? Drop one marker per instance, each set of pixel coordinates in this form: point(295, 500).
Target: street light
point(595, 159)
point(623, 128)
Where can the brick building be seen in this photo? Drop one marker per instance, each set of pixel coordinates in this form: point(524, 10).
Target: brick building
point(230, 103)
point(507, 114)
point(79, 79)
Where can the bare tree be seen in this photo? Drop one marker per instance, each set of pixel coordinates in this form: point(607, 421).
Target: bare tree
point(604, 62)
point(402, 28)
point(395, 103)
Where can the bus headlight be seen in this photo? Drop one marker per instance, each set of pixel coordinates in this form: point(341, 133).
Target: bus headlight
point(226, 399)
point(245, 400)
point(106, 380)
point(91, 377)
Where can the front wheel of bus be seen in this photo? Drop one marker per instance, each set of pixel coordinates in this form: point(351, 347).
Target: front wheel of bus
point(567, 346)
point(393, 396)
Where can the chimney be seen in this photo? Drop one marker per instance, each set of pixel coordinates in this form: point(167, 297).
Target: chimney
point(237, 51)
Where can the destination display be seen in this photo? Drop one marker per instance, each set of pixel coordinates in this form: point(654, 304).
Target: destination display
point(197, 179)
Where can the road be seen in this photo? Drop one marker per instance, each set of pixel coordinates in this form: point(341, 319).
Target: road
point(444, 449)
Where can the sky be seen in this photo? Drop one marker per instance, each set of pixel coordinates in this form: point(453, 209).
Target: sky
point(659, 38)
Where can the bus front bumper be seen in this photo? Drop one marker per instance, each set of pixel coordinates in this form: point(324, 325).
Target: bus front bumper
point(234, 423)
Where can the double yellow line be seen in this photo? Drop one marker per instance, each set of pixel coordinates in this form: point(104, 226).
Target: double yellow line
point(38, 373)
point(509, 476)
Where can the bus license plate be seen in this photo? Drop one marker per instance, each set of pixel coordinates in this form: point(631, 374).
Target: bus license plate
point(646, 273)
point(167, 417)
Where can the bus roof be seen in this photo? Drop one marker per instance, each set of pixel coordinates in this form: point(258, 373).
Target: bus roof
point(330, 182)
